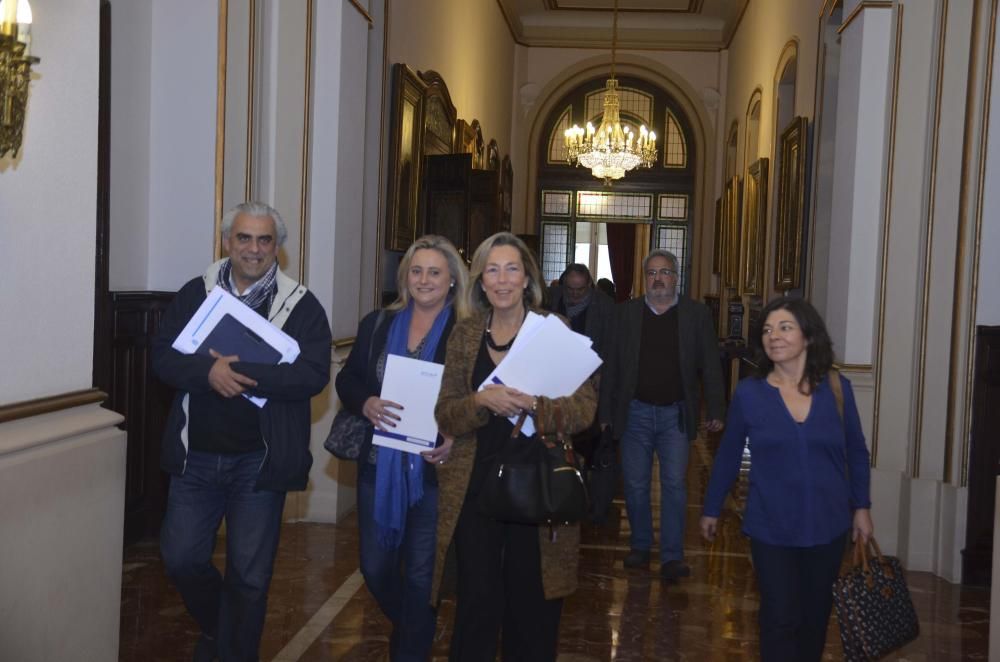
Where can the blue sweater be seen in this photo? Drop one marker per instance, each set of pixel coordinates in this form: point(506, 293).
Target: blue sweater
point(806, 479)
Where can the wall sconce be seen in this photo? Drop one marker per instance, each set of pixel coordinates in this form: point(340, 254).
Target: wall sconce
point(15, 71)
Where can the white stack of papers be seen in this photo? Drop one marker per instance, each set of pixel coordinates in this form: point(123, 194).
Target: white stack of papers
point(220, 305)
point(547, 359)
point(414, 384)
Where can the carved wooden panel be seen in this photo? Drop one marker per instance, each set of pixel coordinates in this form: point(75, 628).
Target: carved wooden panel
point(144, 401)
point(984, 459)
point(439, 115)
point(485, 216)
point(492, 155)
point(447, 194)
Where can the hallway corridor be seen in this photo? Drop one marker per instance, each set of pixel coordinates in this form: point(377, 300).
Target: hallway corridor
point(320, 610)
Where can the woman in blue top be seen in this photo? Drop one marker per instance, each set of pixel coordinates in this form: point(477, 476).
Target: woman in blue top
point(809, 477)
point(397, 491)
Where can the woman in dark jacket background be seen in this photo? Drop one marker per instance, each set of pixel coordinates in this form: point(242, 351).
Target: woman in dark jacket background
point(398, 492)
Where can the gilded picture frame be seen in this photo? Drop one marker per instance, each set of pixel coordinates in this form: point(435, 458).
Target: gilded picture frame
point(754, 215)
point(405, 158)
point(731, 219)
point(717, 239)
point(792, 183)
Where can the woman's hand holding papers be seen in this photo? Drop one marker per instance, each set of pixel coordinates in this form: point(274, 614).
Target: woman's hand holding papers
point(504, 400)
point(224, 380)
point(380, 413)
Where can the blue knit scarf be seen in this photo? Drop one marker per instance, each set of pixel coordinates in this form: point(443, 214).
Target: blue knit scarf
point(399, 476)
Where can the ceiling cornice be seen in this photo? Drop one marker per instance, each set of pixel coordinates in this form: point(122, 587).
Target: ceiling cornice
point(596, 38)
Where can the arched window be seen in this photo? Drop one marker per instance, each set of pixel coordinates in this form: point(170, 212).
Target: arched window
point(674, 144)
point(576, 210)
point(557, 144)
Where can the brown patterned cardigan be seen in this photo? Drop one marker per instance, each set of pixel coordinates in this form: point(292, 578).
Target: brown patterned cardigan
point(459, 417)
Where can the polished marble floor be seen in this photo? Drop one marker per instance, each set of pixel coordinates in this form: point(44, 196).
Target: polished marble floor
point(320, 610)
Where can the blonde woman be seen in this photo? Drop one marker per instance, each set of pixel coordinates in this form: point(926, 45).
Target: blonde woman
point(398, 492)
point(511, 577)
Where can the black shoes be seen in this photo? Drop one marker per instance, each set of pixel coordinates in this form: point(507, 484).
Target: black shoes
point(671, 571)
point(674, 570)
point(637, 558)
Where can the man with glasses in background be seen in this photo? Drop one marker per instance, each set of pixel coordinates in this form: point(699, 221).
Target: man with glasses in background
point(665, 344)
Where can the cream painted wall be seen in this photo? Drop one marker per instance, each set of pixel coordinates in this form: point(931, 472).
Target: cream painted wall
point(471, 47)
point(47, 212)
point(131, 34)
point(182, 141)
point(767, 27)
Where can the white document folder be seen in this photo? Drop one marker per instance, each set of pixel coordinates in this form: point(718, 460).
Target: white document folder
point(551, 361)
point(415, 385)
point(217, 305)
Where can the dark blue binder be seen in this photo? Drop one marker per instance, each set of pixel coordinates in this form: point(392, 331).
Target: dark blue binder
point(230, 337)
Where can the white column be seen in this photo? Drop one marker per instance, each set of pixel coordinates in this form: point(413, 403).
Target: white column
point(859, 159)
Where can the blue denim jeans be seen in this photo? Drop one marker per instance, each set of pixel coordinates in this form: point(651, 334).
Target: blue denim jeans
point(228, 609)
point(653, 429)
point(400, 579)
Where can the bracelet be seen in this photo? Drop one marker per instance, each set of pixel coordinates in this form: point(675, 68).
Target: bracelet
point(534, 404)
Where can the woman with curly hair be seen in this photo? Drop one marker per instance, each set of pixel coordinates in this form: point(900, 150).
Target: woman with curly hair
point(809, 477)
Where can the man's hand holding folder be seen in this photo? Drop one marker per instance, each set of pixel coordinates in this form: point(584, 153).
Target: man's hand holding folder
point(224, 380)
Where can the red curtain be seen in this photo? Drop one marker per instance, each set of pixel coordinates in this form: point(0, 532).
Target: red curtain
point(621, 253)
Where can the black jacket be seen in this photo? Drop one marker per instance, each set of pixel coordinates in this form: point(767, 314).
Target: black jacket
point(698, 354)
point(358, 380)
point(285, 421)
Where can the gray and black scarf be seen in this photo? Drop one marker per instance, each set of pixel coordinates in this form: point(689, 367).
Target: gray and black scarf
point(576, 309)
point(263, 290)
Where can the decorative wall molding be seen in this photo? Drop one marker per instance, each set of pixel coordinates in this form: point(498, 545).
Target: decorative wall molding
point(860, 7)
point(49, 404)
point(363, 12)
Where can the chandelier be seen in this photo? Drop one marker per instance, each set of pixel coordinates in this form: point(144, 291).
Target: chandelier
point(15, 71)
point(612, 149)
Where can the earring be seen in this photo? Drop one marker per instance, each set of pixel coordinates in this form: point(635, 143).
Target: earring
point(452, 284)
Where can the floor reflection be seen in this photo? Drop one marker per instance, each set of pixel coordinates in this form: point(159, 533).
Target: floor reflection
point(617, 614)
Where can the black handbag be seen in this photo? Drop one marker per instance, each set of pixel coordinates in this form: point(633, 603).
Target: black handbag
point(873, 603)
point(349, 431)
point(347, 435)
point(539, 481)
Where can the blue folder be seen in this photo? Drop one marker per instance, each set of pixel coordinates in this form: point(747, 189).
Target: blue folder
point(230, 337)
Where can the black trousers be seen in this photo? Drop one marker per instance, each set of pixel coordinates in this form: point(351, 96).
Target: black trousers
point(500, 589)
point(796, 595)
